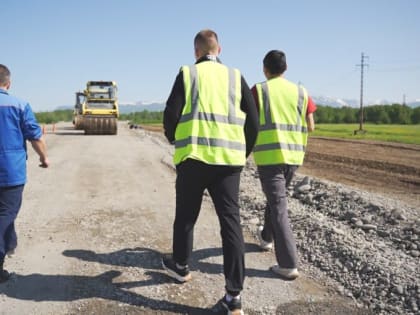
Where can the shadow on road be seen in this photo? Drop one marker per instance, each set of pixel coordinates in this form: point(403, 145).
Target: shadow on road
point(37, 287)
point(150, 259)
point(198, 263)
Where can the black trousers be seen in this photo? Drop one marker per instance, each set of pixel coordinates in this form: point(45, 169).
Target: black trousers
point(222, 183)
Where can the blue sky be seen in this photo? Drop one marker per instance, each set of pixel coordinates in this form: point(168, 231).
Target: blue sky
point(53, 47)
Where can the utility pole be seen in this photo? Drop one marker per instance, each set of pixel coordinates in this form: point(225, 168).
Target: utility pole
point(403, 99)
point(362, 66)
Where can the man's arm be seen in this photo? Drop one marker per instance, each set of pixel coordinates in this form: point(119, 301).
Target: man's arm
point(41, 149)
point(32, 132)
point(309, 115)
point(251, 123)
point(310, 122)
point(173, 109)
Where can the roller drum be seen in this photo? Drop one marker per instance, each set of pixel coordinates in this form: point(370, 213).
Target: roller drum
point(96, 125)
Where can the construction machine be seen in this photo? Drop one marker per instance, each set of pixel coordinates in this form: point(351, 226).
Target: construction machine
point(96, 110)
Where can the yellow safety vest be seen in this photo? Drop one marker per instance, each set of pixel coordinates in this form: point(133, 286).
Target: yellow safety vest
point(283, 130)
point(211, 125)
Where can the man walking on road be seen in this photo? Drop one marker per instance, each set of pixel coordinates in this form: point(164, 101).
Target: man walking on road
point(17, 124)
point(286, 117)
point(212, 119)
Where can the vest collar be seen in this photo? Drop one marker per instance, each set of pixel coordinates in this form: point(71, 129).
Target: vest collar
point(209, 58)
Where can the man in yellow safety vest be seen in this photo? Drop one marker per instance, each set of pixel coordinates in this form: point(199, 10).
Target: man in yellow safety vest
point(285, 118)
point(212, 119)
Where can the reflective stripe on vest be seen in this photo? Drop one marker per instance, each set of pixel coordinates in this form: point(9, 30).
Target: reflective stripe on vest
point(212, 133)
point(282, 141)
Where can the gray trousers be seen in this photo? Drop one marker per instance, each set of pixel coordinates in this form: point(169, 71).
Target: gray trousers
point(274, 180)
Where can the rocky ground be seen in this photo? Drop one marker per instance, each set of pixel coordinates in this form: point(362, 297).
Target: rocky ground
point(364, 244)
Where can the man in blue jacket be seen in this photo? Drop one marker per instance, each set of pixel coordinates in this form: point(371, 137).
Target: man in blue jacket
point(17, 124)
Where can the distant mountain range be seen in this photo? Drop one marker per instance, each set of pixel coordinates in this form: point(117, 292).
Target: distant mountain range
point(319, 100)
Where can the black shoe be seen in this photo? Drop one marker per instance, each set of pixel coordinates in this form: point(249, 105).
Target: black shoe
point(234, 307)
point(4, 275)
point(180, 273)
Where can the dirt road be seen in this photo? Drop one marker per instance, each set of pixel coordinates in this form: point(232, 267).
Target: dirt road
point(94, 225)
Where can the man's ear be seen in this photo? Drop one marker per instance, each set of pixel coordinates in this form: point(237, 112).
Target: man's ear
point(219, 50)
point(196, 53)
point(266, 72)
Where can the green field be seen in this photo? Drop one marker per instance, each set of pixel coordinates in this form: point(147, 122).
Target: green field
point(391, 133)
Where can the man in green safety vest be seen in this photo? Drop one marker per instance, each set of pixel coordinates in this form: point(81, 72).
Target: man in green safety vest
point(211, 118)
point(285, 118)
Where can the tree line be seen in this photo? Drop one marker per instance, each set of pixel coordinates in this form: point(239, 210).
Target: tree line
point(55, 116)
point(143, 117)
point(376, 114)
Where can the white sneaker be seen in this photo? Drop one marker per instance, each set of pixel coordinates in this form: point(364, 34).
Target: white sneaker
point(10, 253)
point(288, 273)
point(263, 244)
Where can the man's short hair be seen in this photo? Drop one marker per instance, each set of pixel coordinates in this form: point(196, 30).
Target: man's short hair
point(275, 62)
point(206, 41)
point(4, 75)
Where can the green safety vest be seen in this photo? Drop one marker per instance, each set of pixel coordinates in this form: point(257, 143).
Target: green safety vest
point(211, 125)
point(283, 130)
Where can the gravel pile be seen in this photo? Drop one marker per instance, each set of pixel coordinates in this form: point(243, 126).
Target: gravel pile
point(366, 244)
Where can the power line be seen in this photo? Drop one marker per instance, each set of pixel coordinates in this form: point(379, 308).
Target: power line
point(362, 66)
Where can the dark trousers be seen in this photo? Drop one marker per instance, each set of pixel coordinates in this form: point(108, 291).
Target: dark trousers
point(222, 183)
point(10, 202)
point(274, 180)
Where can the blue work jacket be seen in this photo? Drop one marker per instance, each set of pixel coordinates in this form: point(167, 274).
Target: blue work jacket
point(17, 124)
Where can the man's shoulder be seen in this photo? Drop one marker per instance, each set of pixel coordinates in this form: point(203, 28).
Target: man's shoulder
point(11, 100)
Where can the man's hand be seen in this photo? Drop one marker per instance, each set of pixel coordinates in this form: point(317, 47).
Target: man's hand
point(44, 162)
point(41, 149)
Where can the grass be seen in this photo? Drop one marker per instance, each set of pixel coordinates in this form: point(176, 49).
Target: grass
point(409, 134)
